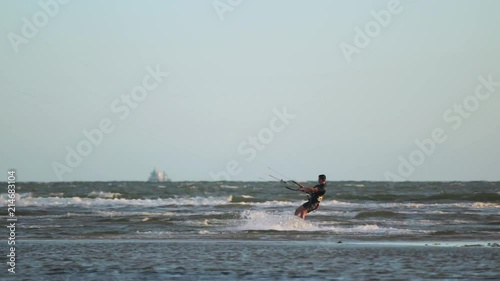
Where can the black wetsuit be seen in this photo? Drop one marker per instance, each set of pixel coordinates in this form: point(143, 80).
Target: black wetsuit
point(315, 198)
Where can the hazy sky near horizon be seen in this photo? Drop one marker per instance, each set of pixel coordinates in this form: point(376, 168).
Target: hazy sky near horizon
point(356, 120)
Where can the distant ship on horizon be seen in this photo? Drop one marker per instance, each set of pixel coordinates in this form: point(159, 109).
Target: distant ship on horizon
point(158, 176)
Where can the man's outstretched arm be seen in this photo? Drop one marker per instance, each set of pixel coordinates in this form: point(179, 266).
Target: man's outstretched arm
point(307, 189)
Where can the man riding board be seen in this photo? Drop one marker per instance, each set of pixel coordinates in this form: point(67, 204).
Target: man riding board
point(315, 195)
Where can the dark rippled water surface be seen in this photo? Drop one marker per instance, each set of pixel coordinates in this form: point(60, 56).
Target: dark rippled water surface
point(246, 230)
point(252, 260)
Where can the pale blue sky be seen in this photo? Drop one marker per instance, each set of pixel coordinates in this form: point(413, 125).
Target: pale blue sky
point(353, 120)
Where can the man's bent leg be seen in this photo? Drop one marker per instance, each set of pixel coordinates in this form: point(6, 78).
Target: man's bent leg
point(301, 212)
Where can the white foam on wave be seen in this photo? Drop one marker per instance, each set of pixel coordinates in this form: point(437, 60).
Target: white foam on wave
point(364, 205)
point(332, 213)
point(355, 185)
point(102, 194)
point(481, 205)
point(206, 232)
point(42, 226)
point(229, 186)
point(375, 229)
point(408, 205)
point(202, 212)
point(154, 234)
point(271, 203)
point(60, 194)
point(337, 204)
point(129, 214)
point(5, 196)
point(92, 202)
point(261, 220)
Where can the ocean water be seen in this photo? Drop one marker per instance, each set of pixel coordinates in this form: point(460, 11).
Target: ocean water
point(247, 231)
